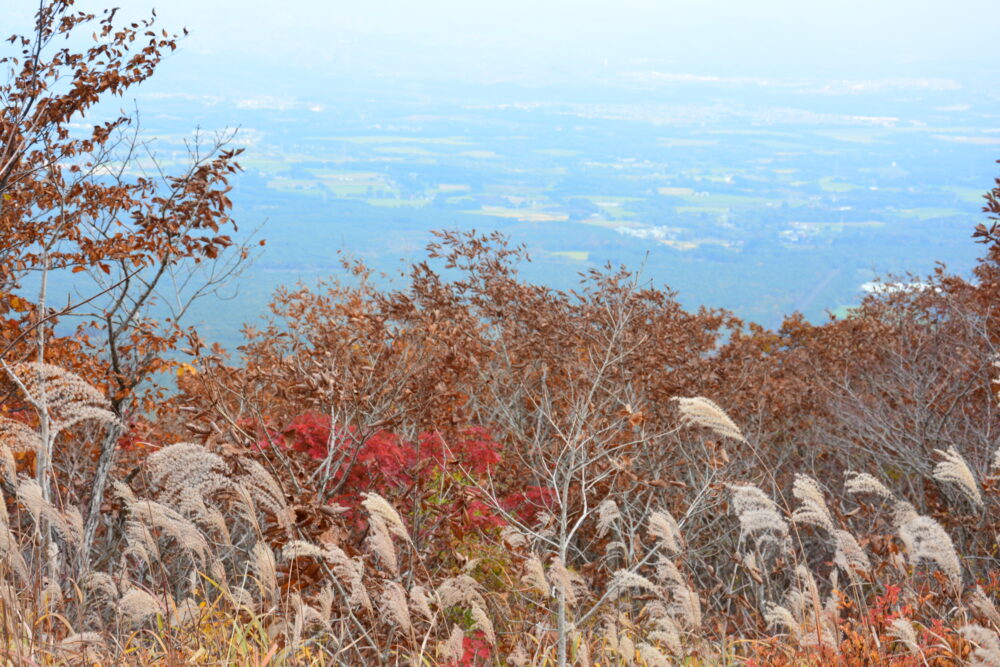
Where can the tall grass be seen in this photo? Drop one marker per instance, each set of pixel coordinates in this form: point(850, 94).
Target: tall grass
point(205, 560)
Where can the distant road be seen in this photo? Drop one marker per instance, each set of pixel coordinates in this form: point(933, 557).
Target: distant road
point(805, 301)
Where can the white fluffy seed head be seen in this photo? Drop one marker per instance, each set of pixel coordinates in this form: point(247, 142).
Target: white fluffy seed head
point(954, 469)
point(662, 526)
point(849, 556)
point(607, 515)
point(622, 580)
point(700, 411)
point(534, 575)
point(812, 509)
point(987, 645)
point(394, 606)
point(861, 483)
point(925, 539)
point(377, 506)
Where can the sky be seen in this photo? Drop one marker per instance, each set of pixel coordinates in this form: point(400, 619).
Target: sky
point(255, 45)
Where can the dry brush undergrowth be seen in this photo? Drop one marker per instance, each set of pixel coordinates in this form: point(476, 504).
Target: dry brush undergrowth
point(482, 471)
point(211, 563)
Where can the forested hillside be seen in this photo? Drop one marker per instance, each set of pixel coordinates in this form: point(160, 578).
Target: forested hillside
point(469, 468)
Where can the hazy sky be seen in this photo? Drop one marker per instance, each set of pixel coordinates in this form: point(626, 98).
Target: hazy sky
point(522, 39)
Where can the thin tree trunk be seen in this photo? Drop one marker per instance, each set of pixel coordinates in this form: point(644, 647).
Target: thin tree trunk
point(104, 464)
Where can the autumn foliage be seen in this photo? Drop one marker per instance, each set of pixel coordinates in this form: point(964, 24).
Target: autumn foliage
point(466, 468)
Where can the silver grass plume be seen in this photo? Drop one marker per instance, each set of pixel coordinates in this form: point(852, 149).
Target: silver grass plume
point(700, 411)
point(460, 590)
point(901, 629)
point(534, 575)
point(861, 483)
point(622, 580)
point(15, 437)
point(519, 658)
point(381, 544)
point(663, 628)
point(662, 526)
point(66, 397)
point(484, 623)
point(420, 601)
point(609, 634)
point(777, 616)
point(652, 656)
point(759, 516)
point(394, 607)
point(377, 506)
point(172, 523)
point(265, 568)
point(185, 468)
point(626, 649)
point(987, 645)
point(955, 470)
point(607, 515)
point(350, 572)
point(10, 551)
point(31, 496)
point(186, 614)
point(980, 603)
point(564, 581)
point(454, 648)
point(84, 645)
point(686, 605)
point(301, 548)
point(136, 605)
point(513, 537)
point(849, 556)
point(925, 539)
point(265, 490)
point(140, 543)
point(812, 509)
